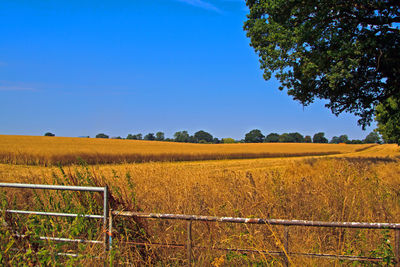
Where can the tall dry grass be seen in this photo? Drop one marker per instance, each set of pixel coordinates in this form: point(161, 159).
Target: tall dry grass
point(349, 189)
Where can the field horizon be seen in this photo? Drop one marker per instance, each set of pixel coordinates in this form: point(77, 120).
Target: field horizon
point(41, 150)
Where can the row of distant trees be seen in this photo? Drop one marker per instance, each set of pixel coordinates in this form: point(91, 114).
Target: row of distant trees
point(181, 136)
point(254, 136)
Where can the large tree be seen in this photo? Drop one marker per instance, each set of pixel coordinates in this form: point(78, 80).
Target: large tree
point(160, 136)
point(320, 138)
point(372, 137)
point(254, 136)
point(49, 134)
point(272, 138)
point(202, 136)
point(344, 51)
point(182, 136)
point(149, 137)
point(102, 135)
point(286, 138)
point(297, 137)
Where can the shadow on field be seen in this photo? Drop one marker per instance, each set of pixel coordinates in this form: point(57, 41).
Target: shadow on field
point(358, 160)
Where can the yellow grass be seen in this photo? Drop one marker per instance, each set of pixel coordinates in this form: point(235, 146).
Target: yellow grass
point(40, 150)
point(360, 184)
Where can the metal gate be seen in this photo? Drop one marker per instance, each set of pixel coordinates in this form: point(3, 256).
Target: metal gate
point(104, 190)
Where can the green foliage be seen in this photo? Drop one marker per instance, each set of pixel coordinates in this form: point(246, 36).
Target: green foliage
point(182, 136)
point(307, 139)
point(216, 140)
point(149, 137)
point(388, 119)
point(341, 139)
point(297, 138)
point(319, 138)
point(355, 142)
point(202, 135)
point(49, 134)
point(254, 136)
point(228, 140)
point(384, 250)
point(345, 52)
point(160, 136)
point(20, 235)
point(335, 140)
point(372, 137)
point(134, 136)
point(272, 138)
point(102, 135)
point(286, 138)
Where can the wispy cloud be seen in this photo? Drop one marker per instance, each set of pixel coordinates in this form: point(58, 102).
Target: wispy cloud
point(16, 88)
point(201, 4)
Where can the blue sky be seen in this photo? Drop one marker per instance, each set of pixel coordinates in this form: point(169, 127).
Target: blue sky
point(78, 68)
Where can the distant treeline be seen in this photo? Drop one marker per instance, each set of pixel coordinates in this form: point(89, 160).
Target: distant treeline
point(254, 136)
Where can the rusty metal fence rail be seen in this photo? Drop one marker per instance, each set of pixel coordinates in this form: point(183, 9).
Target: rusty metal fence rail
point(285, 253)
point(106, 241)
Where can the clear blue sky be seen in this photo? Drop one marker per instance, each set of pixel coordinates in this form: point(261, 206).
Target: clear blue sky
point(79, 68)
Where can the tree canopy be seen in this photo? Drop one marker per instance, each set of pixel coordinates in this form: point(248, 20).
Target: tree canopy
point(160, 136)
point(102, 135)
point(320, 138)
point(341, 139)
point(388, 119)
point(203, 136)
point(272, 138)
point(346, 52)
point(228, 140)
point(286, 138)
point(149, 137)
point(49, 134)
point(134, 136)
point(254, 136)
point(372, 137)
point(182, 136)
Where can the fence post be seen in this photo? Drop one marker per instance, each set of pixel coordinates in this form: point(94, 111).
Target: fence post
point(105, 217)
point(189, 242)
point(110, 229)
point(397, 246)
point(286, 245)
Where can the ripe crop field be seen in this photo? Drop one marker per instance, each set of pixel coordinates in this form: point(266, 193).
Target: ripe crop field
point(41, 150)
point(355, 183)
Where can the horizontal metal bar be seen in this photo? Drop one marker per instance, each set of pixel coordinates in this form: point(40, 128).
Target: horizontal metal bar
point(59, 214)
point(73, 255)
point(68, 255)
point(53, 187)
point(273, 253)
point(62, 239)
point(259, 221)
point(336, 257)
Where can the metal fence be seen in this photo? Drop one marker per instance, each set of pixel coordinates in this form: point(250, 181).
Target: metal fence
point(286, 253)
point(106, 241)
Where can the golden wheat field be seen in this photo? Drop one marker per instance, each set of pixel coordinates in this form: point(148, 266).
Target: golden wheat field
point(41, 150)
point(313, 182)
